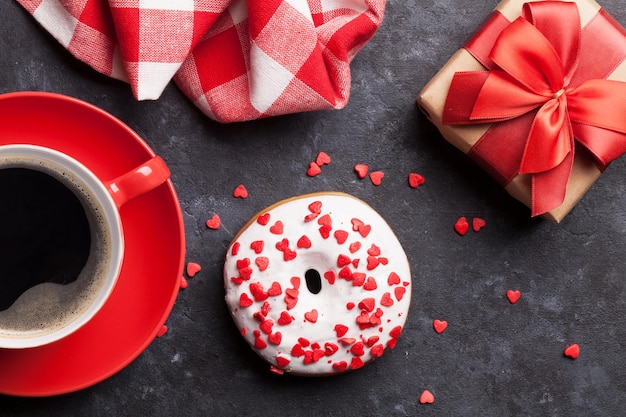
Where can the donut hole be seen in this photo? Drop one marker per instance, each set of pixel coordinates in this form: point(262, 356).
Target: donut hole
point(313, 281)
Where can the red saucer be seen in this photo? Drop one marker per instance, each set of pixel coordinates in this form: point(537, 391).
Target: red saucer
point(153, 259)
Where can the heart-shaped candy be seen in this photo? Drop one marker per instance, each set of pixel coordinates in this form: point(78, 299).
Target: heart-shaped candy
point(513, 295)
point(322, 159)
point(214, 222)
point(572, 351)
point(377, 177)
point(478, 223)
point(415, 180)
point(440, 325)
point(192, 269)
point(461, 226)
point(240, 191)
point(313, 170)
point(427, 397)
point(361, 170)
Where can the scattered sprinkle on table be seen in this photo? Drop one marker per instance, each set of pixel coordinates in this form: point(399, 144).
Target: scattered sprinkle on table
point(427, 397)
point(572, 351)
point(240, 191)
point(440, 325)
point(513, 296)
point(461, 226)
point(214, 222)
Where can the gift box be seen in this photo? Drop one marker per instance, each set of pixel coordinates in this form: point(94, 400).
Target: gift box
point(537, 98)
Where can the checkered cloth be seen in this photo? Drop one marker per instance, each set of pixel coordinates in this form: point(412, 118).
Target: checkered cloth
point(235, 59)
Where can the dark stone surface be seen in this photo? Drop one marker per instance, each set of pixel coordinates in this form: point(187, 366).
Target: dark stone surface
point(495, 359)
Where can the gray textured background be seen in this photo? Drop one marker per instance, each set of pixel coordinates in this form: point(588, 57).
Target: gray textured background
point(495, 359)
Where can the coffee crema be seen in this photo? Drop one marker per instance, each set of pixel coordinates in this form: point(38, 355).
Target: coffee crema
point(55, 243)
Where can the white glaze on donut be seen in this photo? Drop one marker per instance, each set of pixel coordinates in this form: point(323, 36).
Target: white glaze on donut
point(365, 284)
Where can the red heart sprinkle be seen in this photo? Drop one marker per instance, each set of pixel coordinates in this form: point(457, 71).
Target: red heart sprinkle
point(377, 350)
point(377, 177)
point(291, 302)
point(304, 342)
point(358, 349)
point(295, 281)
point(478, 223)
point(356, 363)
point(322, 159)
point(304, 242)
point(275, 289)
point(330, 277)
point(341, 330)
point(426, 397)
point(162, 331)
point(513, 295)
point(415, 180)
point(314, 170)
point(399, 292)
point(275, 338)
point(258, 292)
point(277, 229)
point(343, 260)
point(240, 192)
point(282, 245)
point(365, 230)
point(259, 343)
point(315, 207)
point(358, 279)
point(235, 250)
point(330, 348)
point(355, 247)
point(311, 316)
point(370, 284)
point(257, 246)
point(285, 318)
point(386, 300)
point(266, 326)
point(396, 332)
point(183, 283)
point(393, 279)
point(244, 300)
point(371, 341)
point(361, 170)
point(367, 304)
point(297, 350)
point(440, 325)
point(214, 222)
point(372, 263)
point(341, 236)
point(192, 269)
point(281, 361)
point(340, 366)
point(373, 250)
point(572, 351)
point(461, 226)
point(325, 220)
point(289, 255)
point(262, 262)
point(263, 219)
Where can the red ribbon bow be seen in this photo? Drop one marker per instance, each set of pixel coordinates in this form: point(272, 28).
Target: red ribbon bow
point(537, 80)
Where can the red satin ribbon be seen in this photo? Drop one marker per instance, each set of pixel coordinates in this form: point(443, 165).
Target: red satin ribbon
point(542, 94)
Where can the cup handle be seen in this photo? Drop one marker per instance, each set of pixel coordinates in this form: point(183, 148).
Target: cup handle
point(138, 181)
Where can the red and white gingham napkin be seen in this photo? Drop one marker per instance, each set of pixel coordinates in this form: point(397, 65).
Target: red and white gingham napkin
point(235, 59)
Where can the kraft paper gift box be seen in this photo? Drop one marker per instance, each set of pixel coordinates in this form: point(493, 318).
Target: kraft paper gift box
point(536, 98)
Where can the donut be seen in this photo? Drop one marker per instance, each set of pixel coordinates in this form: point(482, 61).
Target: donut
point(318, 284)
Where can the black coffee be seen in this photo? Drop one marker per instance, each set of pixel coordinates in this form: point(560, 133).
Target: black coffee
point(44, 233)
